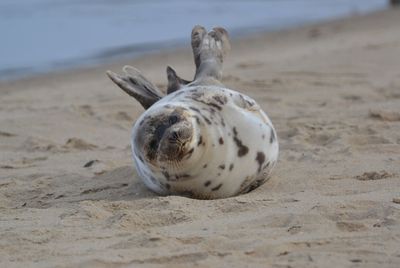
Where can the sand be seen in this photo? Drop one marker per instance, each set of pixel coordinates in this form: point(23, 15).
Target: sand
point(70, 197)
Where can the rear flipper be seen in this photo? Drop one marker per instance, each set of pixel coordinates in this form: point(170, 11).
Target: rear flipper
point(174, 81)
point(137, 86)
point(209, 51)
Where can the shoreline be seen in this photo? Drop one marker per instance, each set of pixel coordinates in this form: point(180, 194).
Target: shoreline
point(113, 37)
point(70, 196)
point(172, 47)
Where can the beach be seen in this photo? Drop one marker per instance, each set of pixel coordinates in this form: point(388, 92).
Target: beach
point(70, 196)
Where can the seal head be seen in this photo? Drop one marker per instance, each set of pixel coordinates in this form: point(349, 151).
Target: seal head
point(166, 137)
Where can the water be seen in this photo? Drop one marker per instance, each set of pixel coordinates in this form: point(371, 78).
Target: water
point(38, 36)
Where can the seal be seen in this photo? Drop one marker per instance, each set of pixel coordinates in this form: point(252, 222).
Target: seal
point(201, 139)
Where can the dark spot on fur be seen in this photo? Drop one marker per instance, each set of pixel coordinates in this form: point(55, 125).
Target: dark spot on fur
point(263, 136)
point(141, 158)
point(206, 119)
point(197, 97)
point(221, 140)
point(222, 166)
point(221, 99)
point(260, 159)
point(222, 122)
point(216, 188)
point(219, 174)
point(272, 137)
point(207, 183)
point(231, 167)
point(205, 165)
point(182, 176)
point(243, 149)
point(166, 175)
point(197, 119)
point(141, 122)
point(249, 103)
point(235, 131)
point(194, 109)
point(200, 141)
point(168, 186)
point(215, 106)
point(190, 152)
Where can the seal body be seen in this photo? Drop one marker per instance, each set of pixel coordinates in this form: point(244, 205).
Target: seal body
point(204, 142)
point(200, 139)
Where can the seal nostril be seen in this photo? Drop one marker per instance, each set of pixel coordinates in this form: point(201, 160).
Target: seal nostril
point(174, 135)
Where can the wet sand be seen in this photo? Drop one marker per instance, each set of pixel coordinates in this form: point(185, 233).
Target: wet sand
point(70, 197)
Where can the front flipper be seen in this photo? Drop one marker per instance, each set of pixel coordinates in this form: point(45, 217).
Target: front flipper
point(174, 81)
point(137, 86)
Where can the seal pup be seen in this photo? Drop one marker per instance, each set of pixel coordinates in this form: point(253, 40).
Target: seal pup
point(201, 139)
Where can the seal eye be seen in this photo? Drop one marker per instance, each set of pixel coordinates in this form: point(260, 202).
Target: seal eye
point(173, 119)
point(153, 145)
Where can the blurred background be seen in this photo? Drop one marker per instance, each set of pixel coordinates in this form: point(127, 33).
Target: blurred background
point(42, 35)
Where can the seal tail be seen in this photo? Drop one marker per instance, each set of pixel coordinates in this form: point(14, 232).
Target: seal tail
point(137, 86)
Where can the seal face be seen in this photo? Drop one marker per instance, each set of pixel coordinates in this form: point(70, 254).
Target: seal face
point(164, 136)
point(201, 140)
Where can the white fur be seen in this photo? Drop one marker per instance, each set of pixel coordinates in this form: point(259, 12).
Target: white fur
point(251, 123)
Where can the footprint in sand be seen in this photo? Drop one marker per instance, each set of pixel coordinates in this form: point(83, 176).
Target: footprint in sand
point(249, 64)
point(78, 144)
point(112, 184)
point(390, 92)
point(350, 226)
point(368, 140)
point(84, 110)
point(322, 139)
point(373, 175)
point(123, 116)
point(7, 134)
point(33, 144)
point(352, 98)
point(388, 116)
point(25, 162)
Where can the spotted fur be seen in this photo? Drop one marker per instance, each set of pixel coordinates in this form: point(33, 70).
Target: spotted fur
point(217, 159)
point(201, 140)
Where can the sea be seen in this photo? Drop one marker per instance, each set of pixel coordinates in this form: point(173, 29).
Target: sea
point(40, 36)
